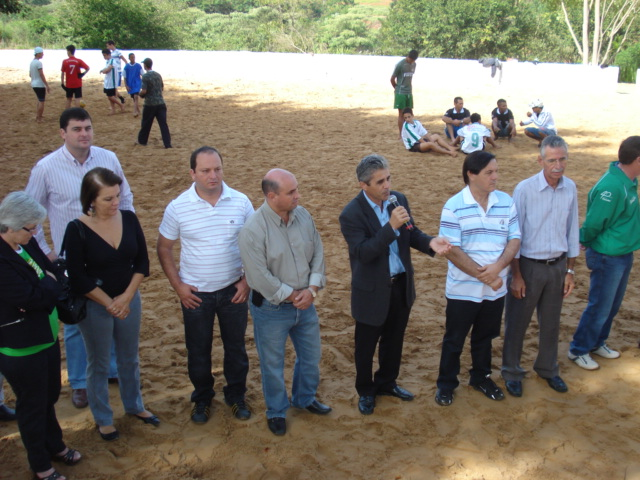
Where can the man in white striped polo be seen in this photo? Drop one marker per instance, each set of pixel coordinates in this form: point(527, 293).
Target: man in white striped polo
point(207, 219)
point(55, 182)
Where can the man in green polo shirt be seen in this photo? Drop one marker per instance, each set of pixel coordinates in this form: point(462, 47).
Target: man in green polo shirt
point(610, 233)
point(401, 82)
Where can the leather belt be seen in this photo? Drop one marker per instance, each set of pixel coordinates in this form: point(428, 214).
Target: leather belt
point(549, 261)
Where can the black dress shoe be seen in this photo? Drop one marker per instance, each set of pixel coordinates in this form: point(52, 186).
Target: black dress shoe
point(200, 412)
point(152, 420)
point(490, 389)
point(514, 387)
point(444, 398)
point(7, 414)
point(557, 384)
point(398, 392)
point(318, 408)
point(366, 404)
point(277, 425)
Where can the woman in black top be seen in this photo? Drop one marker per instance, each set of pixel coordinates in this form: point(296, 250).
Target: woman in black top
point(107, 260)
point(29, 348)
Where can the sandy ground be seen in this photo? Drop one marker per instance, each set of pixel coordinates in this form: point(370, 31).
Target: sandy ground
point(319, 132)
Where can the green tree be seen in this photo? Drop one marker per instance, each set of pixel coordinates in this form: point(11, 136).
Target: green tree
point(10, 6)
point(353, 32)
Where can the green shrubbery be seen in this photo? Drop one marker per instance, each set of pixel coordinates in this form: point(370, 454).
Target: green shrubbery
point(629, 62)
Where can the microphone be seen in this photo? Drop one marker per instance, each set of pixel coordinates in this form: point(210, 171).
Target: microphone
point(394, 201)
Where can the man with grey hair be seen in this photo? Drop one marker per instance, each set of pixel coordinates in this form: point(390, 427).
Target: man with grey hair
point(380, 231)
point(283, 259)
point(542, 272)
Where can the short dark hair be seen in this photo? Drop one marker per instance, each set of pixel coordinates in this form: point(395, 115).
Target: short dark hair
point(92, 182)
point(148, 63)
point(111, 42)
point(629, 150)
point(73, 113)
point(71, 49)
point(408, 110)
point(106, 51)
point(456, 99)
point(475, 117)
point(194, 156)
point(413, 54)
point(501, 100)
point(368, 165)
point(475, 163)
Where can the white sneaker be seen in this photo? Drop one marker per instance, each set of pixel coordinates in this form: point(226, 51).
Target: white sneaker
point(584, 361)
point(605, 352)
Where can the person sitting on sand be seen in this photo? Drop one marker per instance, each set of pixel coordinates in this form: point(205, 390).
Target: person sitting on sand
point(110, 82)
point(416, 138)
point(473, 136)
point(543, 121)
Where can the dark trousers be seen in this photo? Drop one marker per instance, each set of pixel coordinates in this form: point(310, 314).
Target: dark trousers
point(390, 338)
point(35, 379)
point(198, 331)
point(159, 112)
point(462, 316)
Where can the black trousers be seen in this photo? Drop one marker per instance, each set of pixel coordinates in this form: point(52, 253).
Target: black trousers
point(462, 315)
point(35, 379)
point(389, 337)
point(159, 112)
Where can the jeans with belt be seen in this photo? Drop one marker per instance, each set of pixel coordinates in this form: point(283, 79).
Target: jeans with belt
point(272, 324)
point(198, 331)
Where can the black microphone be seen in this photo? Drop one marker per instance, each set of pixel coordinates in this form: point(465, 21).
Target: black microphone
point(394, 201)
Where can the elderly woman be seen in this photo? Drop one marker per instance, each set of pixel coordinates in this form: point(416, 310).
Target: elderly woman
point(107, 260)
point(29, 348)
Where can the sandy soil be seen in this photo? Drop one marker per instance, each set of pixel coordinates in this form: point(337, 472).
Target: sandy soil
point(319, 132)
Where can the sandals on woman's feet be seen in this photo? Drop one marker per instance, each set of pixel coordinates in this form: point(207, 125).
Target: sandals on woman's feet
point(54, 476)
point(68, 458)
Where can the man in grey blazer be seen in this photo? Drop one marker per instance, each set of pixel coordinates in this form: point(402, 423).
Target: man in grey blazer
point(379, 233)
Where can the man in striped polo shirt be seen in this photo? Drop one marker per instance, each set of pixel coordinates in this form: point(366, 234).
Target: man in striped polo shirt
point(482, 225)
point(207, 219)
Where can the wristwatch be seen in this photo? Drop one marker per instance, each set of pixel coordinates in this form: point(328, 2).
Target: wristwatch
point(571, 271)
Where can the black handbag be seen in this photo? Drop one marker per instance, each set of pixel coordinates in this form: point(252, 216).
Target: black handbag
point(72, 308)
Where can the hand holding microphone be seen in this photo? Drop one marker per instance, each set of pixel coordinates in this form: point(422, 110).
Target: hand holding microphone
point(399, 214)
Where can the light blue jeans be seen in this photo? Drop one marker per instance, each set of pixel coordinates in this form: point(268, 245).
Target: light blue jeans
point(272, 324)
point(77, 358)
point(608, 283)
point(100, 331)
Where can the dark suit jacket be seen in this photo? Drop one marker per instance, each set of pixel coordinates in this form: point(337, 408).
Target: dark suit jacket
point(368, 243)
point(21, 289)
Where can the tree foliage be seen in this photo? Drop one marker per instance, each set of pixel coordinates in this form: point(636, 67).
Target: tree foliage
point(10, 6)
point(629, 62)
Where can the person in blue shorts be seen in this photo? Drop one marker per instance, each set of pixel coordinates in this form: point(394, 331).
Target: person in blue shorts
point(132, 76)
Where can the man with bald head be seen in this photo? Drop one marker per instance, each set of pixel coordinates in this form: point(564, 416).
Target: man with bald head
point(284, 265)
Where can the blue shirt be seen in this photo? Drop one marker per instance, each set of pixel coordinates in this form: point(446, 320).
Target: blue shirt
point(395, 264)
point(133, 75)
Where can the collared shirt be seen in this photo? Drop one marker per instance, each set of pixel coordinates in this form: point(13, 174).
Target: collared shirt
point(55, 182)
point(548, 218)
point(473, 137)
point(412, 133)
point(209, 251)
point(482, 235)
point(281, 257)
point(395, 264)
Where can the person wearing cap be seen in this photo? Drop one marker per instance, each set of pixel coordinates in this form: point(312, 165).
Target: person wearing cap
point(38, 81)
point(543, 121)
point(401, 82)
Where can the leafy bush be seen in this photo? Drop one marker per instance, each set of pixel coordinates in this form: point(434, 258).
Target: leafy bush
point(629, 62)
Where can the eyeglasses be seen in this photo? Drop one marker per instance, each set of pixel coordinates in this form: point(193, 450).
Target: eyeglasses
point(30, 230)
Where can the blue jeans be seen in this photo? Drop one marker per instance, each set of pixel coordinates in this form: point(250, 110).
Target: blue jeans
point(101, 331)
point(198, 332)
point(609, 276)
point(536, 132)
point(77, 358)
point(272, 324)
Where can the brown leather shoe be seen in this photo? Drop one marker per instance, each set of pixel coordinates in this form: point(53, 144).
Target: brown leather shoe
point(79, 398)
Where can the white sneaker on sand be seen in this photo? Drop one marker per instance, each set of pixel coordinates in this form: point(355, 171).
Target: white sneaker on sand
point(605, 352)
point(584, 361)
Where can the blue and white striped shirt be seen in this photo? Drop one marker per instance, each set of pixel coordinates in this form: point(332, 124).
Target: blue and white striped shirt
point(548, 218)
point(482, 235)
point(209, 251)
point(55, 182)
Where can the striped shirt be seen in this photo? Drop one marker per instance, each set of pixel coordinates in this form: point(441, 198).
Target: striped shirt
point(548, 218)
point(55, 182)
point(112, 76)
point(412, 133)
point(209, 251)
point(482, 235)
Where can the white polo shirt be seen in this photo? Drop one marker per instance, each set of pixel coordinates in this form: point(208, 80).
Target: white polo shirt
point(209, 252)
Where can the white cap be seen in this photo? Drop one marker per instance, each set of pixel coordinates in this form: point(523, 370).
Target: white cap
point(38, 50)
point(537, 103)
